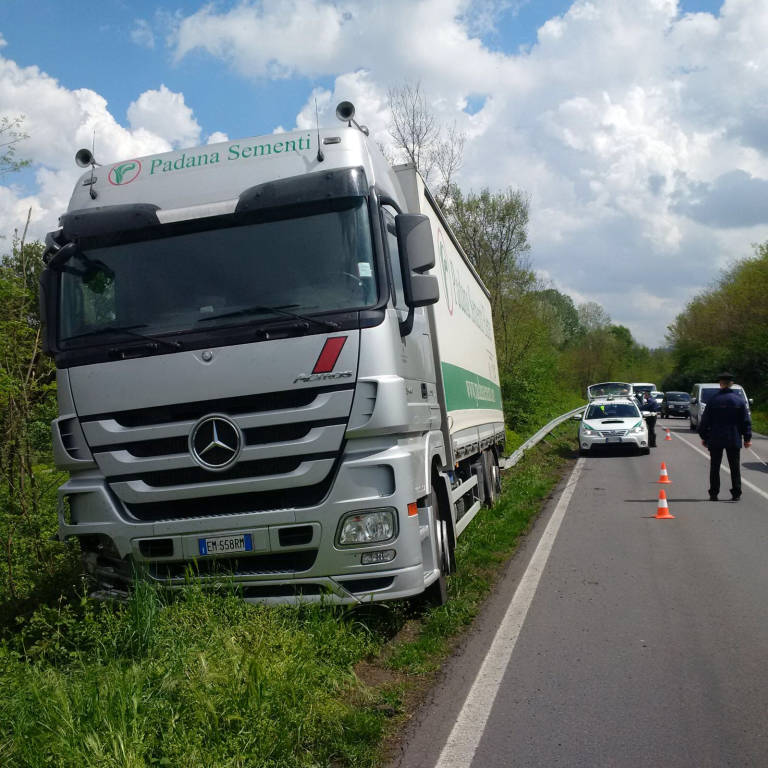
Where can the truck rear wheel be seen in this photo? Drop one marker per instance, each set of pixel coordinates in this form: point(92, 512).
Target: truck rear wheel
point(491, 477)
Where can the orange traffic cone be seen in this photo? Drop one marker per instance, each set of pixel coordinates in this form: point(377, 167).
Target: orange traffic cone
point(669, 435)
point(664, 477)
point(662, 511)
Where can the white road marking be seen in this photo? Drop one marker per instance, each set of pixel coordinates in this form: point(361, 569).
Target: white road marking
point(462, 742)
point(706, 454)
point(757, 457)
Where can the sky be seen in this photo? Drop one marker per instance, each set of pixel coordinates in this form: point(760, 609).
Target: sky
point(638, 128)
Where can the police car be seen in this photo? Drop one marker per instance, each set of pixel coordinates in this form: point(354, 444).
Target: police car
point(613, 421)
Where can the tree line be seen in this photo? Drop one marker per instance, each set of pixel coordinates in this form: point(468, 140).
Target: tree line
point(726, 327)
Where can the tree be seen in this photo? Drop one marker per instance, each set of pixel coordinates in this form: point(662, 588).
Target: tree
point(418, 135)
point(27, 405)
point(592, 317)
point(561, 315)
point(493, 230)
point(10, 135)
point(726, 327)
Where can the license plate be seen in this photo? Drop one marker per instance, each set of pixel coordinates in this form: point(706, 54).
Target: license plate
point(224, 545)
point(612, 439)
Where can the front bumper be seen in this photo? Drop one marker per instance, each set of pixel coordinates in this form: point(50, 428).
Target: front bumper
point(277, 570)
point(636, 440)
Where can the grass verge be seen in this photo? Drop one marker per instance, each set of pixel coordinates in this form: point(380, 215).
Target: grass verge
point(204, 679)
point(760, 422)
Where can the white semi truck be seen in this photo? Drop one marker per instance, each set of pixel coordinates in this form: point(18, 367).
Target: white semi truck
point(276, 364)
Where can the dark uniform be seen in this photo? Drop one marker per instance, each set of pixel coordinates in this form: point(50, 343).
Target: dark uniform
point(650, 405)
point(723, 425)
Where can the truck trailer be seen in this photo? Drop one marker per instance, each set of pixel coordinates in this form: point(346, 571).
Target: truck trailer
point(275, 364)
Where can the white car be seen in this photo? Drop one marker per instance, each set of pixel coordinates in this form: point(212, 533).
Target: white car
point(700, 396)
point(612, 421)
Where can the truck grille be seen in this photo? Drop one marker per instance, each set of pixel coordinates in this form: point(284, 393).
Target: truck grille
point(215, 506)
point(255, 565)
point(291, 441)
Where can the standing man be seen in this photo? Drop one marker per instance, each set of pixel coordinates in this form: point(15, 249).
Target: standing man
point(723, 425)
point(650, 406)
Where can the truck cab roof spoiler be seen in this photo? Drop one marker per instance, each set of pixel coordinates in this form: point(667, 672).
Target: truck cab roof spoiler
point(93, 222)
point(310, 188)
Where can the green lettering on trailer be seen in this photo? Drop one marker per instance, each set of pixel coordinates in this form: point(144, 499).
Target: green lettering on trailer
point(466, 390)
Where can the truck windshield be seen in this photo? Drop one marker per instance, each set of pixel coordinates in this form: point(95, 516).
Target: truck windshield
point(316, 263)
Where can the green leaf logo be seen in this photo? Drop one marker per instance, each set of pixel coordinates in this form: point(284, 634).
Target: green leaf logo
point(124, 173)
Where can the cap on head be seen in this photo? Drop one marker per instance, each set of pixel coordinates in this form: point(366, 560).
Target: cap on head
point(725, 376)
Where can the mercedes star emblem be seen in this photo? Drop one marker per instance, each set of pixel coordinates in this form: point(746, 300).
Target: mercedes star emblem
point(215, 442)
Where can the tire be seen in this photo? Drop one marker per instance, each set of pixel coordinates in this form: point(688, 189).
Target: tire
point(583, 452)
point(645, 451)
point(436, 593)
point(491, 478)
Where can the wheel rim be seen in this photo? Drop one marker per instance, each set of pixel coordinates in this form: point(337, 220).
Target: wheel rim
point(496, 475)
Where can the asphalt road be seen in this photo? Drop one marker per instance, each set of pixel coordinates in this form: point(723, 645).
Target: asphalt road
point(645, 642)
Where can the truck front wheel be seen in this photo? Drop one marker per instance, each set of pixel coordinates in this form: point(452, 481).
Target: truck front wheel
point(437, 592)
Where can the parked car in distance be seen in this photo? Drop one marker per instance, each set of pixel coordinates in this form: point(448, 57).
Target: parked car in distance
point(612, 421)
point(658, 397)
point(675, 404)
point(700, 396)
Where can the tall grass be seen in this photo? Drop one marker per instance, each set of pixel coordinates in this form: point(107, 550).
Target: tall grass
point(204, 679)
point(760, 422)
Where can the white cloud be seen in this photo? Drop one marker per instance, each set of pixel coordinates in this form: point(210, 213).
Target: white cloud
point(142, 34)
point(282, 38)
point(165, 114)
point(59, 121)
point(217, 137)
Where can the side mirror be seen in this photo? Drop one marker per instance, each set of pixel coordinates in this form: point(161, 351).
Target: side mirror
point(693, 401)
point(417, 256)
point(751, 401)
point(576, 417)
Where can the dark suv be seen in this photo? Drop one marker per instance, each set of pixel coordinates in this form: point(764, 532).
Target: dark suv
point(675, 404)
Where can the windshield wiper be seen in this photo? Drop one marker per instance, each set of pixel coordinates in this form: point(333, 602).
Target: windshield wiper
point(263, 309)
point(129, 330)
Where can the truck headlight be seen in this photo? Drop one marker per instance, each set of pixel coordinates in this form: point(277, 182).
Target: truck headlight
point(367, 527)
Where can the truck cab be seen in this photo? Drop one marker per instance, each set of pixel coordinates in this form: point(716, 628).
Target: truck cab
point(248, 379)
